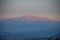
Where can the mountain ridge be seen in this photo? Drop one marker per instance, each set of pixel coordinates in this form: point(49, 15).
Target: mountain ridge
point(29, 19)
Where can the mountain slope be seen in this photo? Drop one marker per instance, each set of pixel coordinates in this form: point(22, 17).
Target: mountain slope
point(31, 26)
point(29, 19)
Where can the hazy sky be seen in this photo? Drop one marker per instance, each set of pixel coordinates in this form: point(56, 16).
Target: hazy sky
point(43, 8)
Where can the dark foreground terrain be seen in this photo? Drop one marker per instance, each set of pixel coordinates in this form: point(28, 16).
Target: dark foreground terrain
point(18, 37)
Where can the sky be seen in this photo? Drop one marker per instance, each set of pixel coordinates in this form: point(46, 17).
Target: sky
point(41, 8)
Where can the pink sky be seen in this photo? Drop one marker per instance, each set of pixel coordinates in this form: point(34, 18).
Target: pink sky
point(41, 8)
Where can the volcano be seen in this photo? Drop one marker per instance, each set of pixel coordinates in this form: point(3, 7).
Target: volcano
point(30, 26)
point(29, 19)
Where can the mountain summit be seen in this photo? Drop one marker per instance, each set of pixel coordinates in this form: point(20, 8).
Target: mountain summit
point(28, 18)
